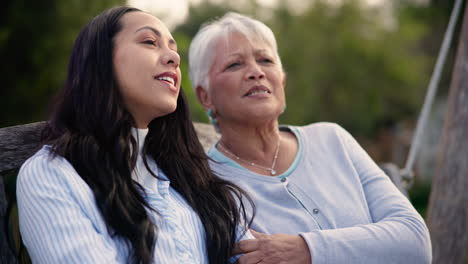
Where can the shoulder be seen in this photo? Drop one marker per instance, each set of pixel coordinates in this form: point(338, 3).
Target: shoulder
point(43, 161)
point(321, 127)
point(323, 131)
point(45, 170)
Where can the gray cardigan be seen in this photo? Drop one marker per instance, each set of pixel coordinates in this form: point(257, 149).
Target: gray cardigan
point(338, 200)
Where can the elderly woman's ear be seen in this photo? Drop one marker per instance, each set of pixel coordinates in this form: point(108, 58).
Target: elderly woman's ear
point(204, 97)
point(285, 77)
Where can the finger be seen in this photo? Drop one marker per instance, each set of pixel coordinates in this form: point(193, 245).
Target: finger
point(245, 246)
point(257, 234)
point(251, 258)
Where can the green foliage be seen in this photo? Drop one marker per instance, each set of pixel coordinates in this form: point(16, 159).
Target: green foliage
point(343, 64)
point(419, 195)
point(36, 38)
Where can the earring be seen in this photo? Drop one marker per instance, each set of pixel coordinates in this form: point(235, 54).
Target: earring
point(210, 114)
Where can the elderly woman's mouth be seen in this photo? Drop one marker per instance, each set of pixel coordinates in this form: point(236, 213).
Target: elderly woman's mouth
point(257, 90)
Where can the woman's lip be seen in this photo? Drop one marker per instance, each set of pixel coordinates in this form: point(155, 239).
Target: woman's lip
point(169, 85)
point(169, 74)
point(258, 95)
point(263, 88)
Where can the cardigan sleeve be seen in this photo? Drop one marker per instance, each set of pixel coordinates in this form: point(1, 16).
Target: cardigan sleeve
point(54, 225)
point(243, 233)
point(397, 233)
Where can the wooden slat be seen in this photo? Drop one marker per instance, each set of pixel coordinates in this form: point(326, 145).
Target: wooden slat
point(6, 255)
point(17, 143)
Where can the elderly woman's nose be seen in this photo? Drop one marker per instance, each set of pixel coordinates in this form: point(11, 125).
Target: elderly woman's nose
point(255, 72)
point(171, 57)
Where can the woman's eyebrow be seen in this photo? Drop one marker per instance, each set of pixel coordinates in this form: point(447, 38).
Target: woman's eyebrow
point(157, 33)
point(261, 51)
point(235, 54)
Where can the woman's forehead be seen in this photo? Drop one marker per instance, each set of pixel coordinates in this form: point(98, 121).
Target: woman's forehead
point(134, 22)
point(235, 42)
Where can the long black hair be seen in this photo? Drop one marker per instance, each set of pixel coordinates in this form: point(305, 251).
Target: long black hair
point(91, 128)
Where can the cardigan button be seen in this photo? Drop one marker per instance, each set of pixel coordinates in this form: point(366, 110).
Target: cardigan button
point(316, 211)
point(283, 179)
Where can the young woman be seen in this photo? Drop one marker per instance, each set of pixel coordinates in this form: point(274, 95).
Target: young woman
point(121, 176)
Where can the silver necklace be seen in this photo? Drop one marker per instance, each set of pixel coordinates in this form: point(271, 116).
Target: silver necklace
point(271, 169)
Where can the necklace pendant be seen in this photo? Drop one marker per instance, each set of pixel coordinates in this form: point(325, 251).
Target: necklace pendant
point(273, 172)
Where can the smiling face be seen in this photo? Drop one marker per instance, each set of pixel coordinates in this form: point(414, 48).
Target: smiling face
point(146, 65)
point(246, 82)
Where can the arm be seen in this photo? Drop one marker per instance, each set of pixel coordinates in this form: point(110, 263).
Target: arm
point(278, 248)
point(398, 234)
point(54, 225)
point(243, 235)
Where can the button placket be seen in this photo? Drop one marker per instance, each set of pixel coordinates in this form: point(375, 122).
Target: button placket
point(309, 205)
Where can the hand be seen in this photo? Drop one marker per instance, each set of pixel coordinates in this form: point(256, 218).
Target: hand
point(273, 249)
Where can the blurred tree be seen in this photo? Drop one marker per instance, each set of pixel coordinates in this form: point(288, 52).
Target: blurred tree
point(448, 211)
point(343, 63)
point(435, 17)
point(35, 42)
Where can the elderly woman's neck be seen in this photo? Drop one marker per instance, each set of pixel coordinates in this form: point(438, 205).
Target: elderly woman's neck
point(251, 141)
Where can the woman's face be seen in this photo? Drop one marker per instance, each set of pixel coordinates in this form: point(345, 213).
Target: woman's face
point(246, 82)
point(146, 64)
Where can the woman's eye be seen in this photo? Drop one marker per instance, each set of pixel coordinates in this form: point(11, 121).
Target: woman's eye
point(150, 42)
point(266, 60)
point(233, 65)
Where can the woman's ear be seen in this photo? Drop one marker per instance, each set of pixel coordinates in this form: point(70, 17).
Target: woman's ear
point(203, 97)
point(284, 79)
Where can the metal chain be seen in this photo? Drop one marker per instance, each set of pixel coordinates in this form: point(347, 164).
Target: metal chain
point(271, 169)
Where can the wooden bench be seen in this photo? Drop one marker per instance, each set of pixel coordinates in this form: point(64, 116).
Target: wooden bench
point(18, 143)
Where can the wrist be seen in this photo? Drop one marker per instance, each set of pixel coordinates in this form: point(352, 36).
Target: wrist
point(307, 252)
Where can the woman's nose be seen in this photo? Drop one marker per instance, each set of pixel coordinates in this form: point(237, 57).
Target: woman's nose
point(171, 58)
point(255, 72)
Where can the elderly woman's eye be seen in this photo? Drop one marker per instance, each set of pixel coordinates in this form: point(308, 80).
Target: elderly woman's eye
point(266, 60)
point(233, 65)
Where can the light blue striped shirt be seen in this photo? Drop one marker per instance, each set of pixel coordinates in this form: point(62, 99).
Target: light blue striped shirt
point(334, 196)
point(60, 221)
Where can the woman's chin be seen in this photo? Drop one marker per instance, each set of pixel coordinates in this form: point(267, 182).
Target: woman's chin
point(167, 110)
point(262, 113)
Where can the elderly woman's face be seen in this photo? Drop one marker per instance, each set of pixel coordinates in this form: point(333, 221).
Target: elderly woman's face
point(246, 81)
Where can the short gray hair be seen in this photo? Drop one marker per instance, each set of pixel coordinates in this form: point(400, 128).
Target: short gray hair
point(201, 48)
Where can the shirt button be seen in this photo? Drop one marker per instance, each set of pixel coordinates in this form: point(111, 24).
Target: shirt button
point(283, 179)
point(316, 211)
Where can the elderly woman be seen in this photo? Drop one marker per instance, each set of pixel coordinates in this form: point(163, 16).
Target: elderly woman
point(319, 197)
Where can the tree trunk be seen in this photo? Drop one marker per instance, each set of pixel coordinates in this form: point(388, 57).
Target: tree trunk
point(448, 207)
